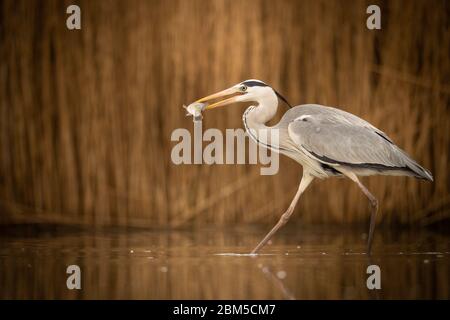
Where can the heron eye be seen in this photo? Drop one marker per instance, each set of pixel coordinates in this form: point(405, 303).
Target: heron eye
point(243, 88)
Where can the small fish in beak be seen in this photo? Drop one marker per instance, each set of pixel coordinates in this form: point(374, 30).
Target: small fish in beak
point(195, 110)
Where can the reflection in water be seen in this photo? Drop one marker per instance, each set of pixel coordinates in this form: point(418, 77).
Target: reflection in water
point(314, 263)
point(278, 281)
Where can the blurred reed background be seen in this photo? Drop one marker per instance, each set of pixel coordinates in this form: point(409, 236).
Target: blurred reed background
point(86, 116)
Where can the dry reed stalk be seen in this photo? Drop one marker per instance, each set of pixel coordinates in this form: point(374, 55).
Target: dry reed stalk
point(86, 116)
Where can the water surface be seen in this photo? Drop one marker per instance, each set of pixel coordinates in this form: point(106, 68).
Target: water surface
point(301, 263)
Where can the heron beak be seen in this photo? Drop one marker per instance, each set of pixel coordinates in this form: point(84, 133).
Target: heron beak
point(222, 94)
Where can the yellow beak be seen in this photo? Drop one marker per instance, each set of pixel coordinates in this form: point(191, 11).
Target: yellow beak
point(221, 94)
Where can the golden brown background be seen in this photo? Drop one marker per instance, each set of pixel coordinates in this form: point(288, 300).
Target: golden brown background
point(86, 116)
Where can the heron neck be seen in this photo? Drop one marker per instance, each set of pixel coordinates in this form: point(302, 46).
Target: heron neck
point(255, 118)
point(264, 111)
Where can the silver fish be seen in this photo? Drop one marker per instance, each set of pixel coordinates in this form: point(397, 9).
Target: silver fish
point(195, 110)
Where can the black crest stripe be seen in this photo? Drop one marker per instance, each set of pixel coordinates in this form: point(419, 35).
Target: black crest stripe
point(282, 98)
point(251, 83)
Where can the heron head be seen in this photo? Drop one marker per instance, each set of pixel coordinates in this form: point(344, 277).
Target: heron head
point(245, 91)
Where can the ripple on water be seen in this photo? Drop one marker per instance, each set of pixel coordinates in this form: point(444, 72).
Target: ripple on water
point(231, 254)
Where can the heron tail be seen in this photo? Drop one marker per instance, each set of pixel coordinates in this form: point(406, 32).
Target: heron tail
point(417, 170)
point(421, 172)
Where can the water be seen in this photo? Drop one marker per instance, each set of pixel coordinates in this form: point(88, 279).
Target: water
point(301, 263)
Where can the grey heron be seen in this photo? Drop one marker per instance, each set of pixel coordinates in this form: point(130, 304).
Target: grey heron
point(326, 141)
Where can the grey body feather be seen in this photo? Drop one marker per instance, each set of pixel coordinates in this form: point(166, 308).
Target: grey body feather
point(327, 139)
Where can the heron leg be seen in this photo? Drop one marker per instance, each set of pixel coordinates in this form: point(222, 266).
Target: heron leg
point(374, 208)
point(306, 180)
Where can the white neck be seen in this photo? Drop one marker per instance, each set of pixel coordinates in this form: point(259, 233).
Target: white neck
point(264, 111)
point(255, 118)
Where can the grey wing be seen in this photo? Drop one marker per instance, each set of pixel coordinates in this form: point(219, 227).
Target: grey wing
point(334, 137)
